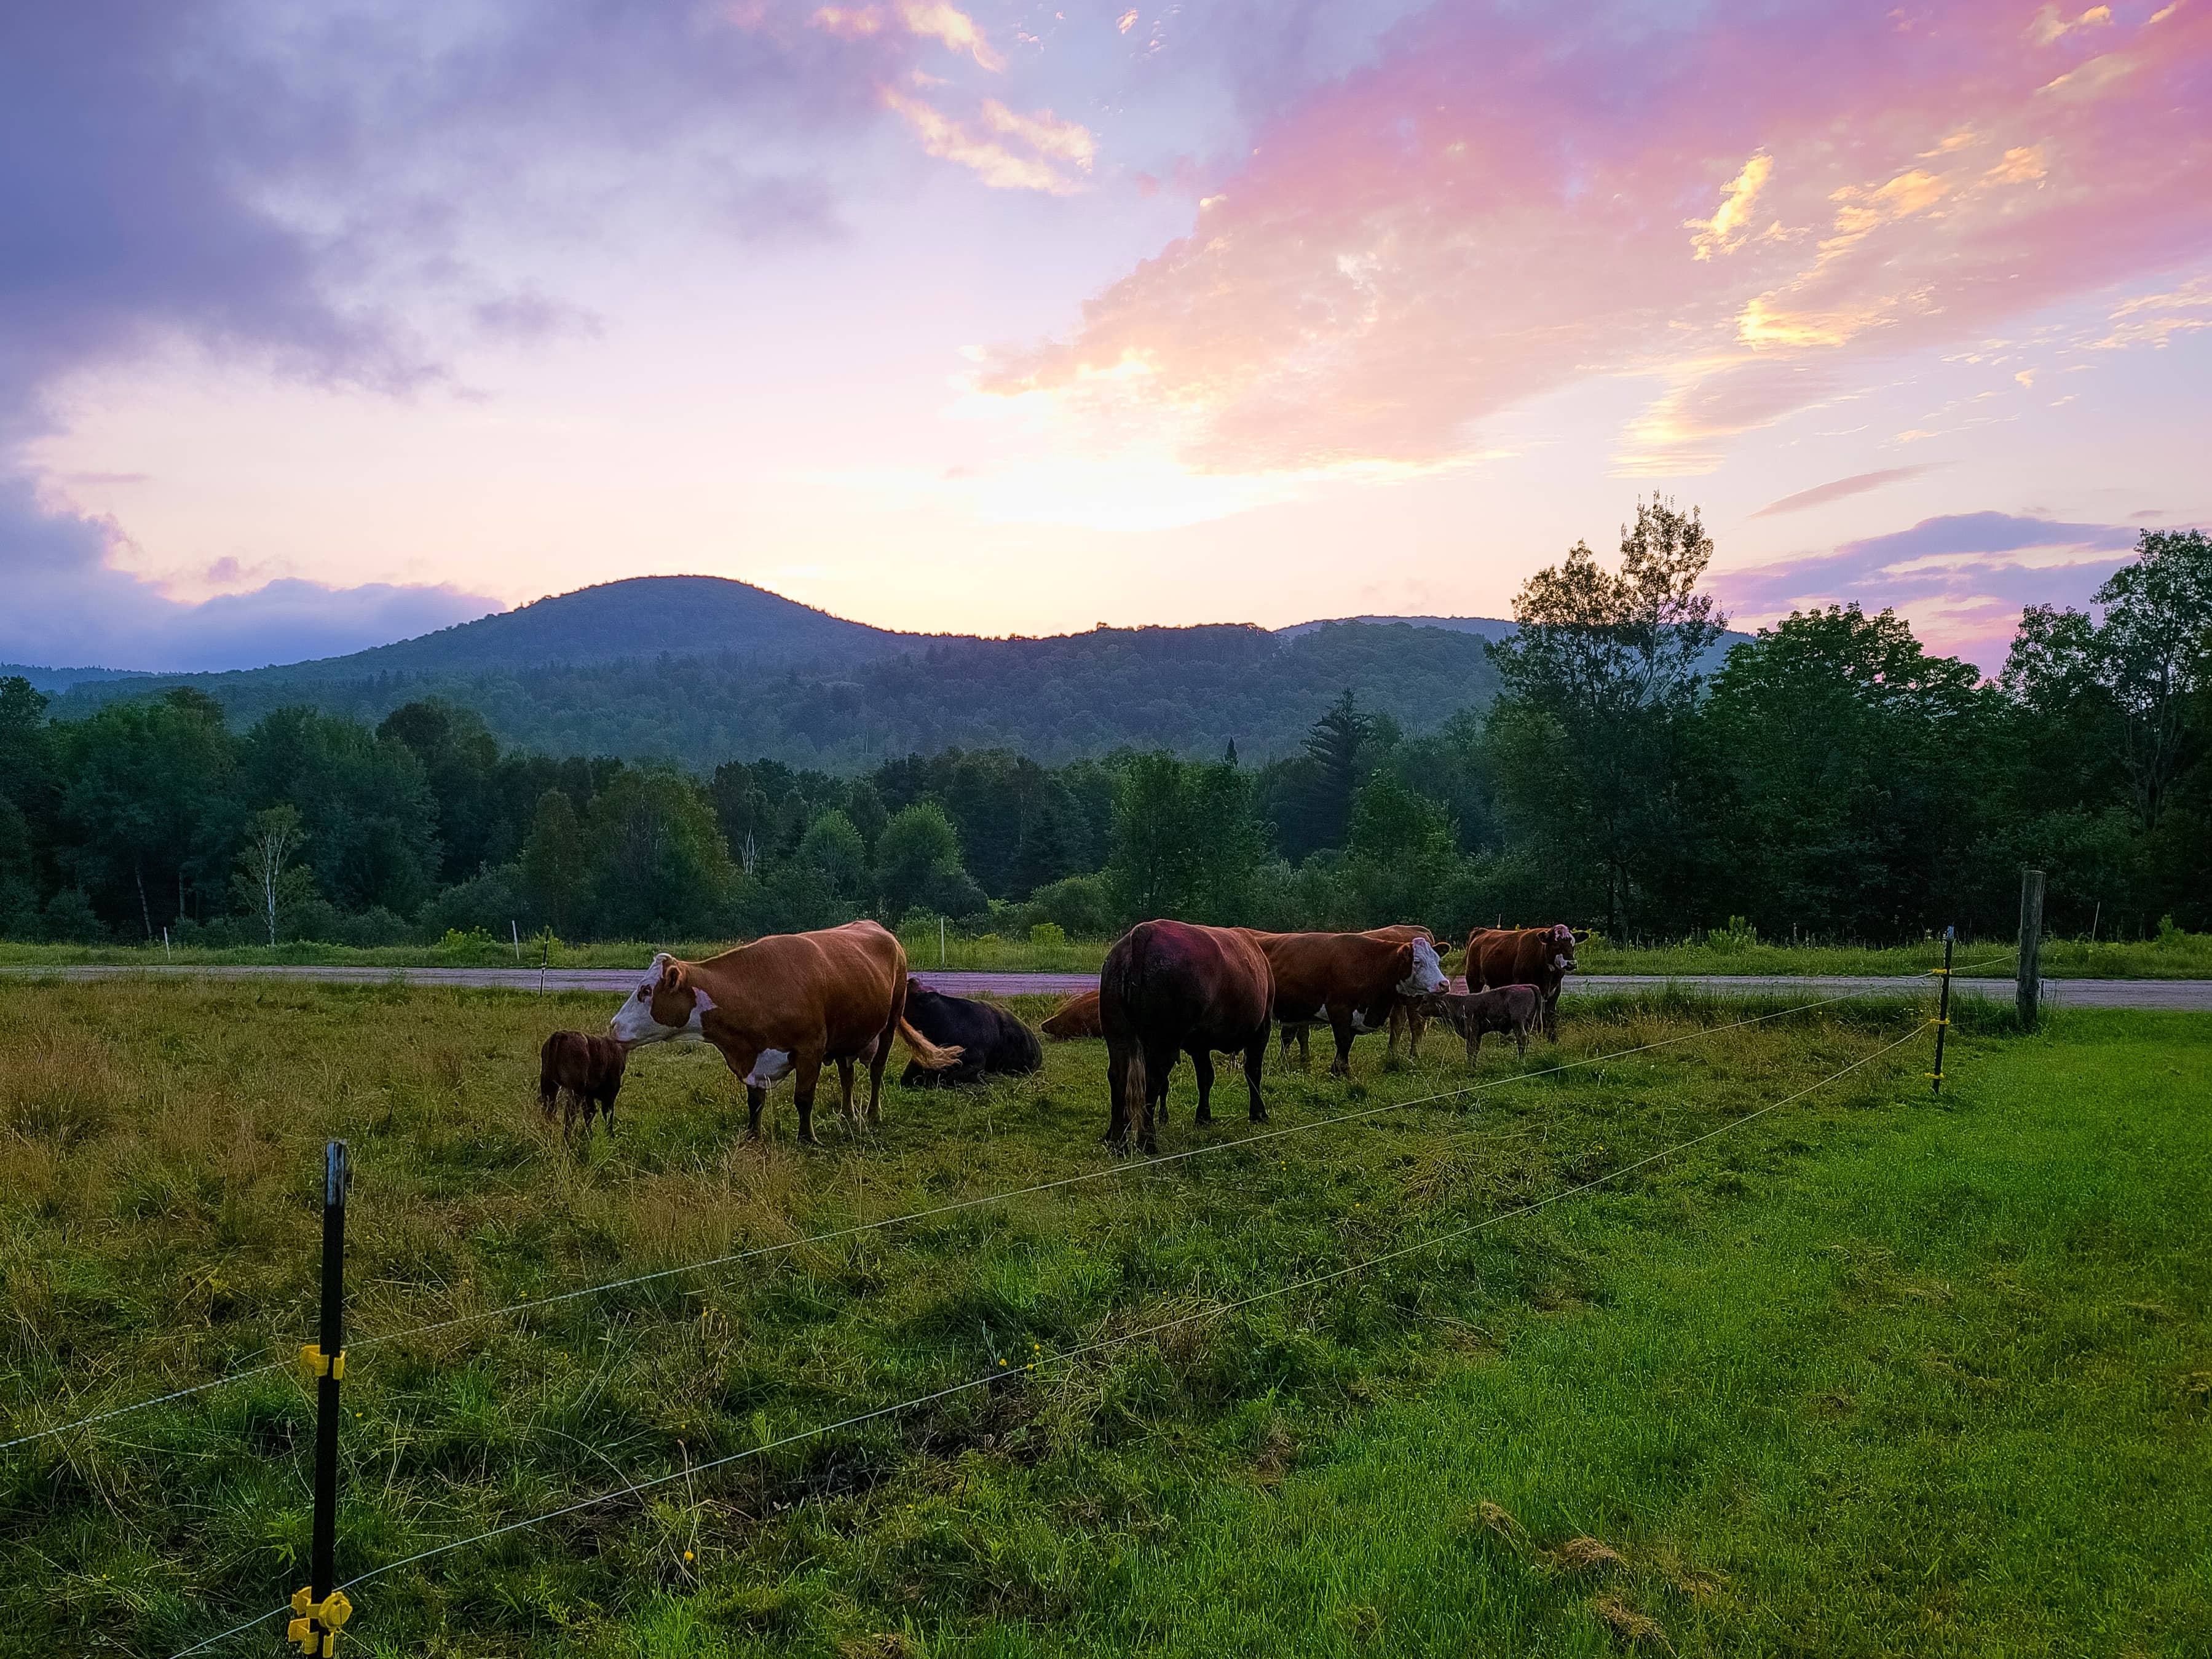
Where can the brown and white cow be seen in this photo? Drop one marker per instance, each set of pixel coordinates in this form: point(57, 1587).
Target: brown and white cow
point(1355, 981)
point(1541, 956)
point(1174, 988)
point(1407, 1014)
point(785, 1005)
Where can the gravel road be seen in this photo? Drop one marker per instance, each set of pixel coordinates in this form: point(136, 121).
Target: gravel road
point(2186, 994)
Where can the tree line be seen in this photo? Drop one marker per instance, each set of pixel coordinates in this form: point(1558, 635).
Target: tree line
point(1831, 779)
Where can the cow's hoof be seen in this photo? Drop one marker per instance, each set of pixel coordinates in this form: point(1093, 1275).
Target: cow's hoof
point(1259, 1114)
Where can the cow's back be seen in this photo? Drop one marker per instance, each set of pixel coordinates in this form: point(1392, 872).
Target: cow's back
point(835, 984)
point(1177, 983)
point(1312, 970)
point(1076, 1017)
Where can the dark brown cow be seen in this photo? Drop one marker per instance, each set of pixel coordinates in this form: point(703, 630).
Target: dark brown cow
point(1353, 980)
point(1511, 1008)
point(1173, 987)
point(1405, 1015)
point(1077, 1017)
point(587, 1070)
point(1541, 956)
point(786, 1004)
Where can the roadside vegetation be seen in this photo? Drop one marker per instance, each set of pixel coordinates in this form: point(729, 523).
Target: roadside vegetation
point(2169, 954)
point(1872, 1370)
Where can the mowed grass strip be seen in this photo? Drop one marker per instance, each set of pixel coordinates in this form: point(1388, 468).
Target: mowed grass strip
point(159, 1173)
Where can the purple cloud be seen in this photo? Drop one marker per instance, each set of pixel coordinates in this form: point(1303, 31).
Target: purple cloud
point(1856, 485)
point(1960, 578)
point(68, 603)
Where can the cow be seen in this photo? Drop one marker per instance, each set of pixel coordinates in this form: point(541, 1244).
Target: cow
point(1354, 980)
point(1171, 987)
point(785, 1005)
point(1077, 1017)
point(587, 1070)
point(1541, 956)
point(1514, 1008)
point(1405, 1014)
point(989, 1041)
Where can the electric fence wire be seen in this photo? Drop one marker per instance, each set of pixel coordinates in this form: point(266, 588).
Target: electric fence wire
point(1081, 1350)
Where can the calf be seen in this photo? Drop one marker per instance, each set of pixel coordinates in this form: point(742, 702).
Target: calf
point(988, 1040)
point(588, 1070)
point(1516, 1008)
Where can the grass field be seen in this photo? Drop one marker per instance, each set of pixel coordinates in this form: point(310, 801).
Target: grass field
point(2170, 955)
point(1866, 1374)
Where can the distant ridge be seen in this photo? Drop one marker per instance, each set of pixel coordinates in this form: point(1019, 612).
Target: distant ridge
point(1490, 628)
point(52, 680)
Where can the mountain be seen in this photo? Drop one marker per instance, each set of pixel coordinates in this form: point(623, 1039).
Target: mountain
point(700, 670)
point(612, 622)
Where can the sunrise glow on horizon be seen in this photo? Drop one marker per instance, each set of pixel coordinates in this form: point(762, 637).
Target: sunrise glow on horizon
point(335, 325)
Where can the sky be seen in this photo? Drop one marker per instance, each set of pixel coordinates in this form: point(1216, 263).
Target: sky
point(326, 323)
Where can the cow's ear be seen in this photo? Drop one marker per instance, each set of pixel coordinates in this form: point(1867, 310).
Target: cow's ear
point(671, 975)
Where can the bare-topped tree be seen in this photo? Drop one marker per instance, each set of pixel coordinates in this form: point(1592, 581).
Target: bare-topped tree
point(267, 880)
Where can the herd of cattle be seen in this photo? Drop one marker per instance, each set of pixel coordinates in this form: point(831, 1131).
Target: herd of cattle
point(786, 1006)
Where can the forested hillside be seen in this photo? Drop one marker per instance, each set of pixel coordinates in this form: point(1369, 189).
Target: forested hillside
point(1193, 690)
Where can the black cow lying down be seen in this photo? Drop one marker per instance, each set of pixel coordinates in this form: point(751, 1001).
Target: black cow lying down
point(991, 1041)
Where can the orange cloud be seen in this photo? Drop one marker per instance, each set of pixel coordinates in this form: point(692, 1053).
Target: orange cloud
point(996, 165)
point(930, 19)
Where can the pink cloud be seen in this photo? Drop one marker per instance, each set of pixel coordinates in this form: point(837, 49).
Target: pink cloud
point(1754, 209)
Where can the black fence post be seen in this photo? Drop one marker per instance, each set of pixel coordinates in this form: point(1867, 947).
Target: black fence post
point(1943, 1015)
point(319, 1610)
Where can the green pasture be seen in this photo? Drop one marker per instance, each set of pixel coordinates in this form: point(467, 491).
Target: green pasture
point(1866, 1373)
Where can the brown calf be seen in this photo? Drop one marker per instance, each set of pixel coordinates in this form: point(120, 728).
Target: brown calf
point(1515, 1008)
point(587, 1070)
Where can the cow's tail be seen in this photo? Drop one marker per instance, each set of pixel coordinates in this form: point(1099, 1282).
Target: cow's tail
point(1137, 1097)
point(928, 1055)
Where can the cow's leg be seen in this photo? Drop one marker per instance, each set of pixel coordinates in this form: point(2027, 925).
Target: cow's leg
point(1305, 1054)
point(1256, 1054)
point(845, 1088)
point(1474, 1042)
point(1521, 1038)
point(1397, 1020)
point(1415, 1024)
point(806, 1072)
point(1341, 1022)
point(1201, 1066)
point(607, 1109)
point(1117, 1073)
point(878, 1057)
point(1159, 1066)
point(1552, 1015)
point(756, 1097)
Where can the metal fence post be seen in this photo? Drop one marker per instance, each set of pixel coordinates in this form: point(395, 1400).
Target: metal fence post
point(2030, 983)
point(319, 1610)
point(1943, 1015)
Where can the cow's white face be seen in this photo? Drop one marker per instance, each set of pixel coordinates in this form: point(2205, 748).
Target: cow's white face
point(1563, 948)
point(1427, 977)
point(664, 1006)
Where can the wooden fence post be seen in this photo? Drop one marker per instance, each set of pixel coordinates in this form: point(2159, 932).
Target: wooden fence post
point(2030, 981)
